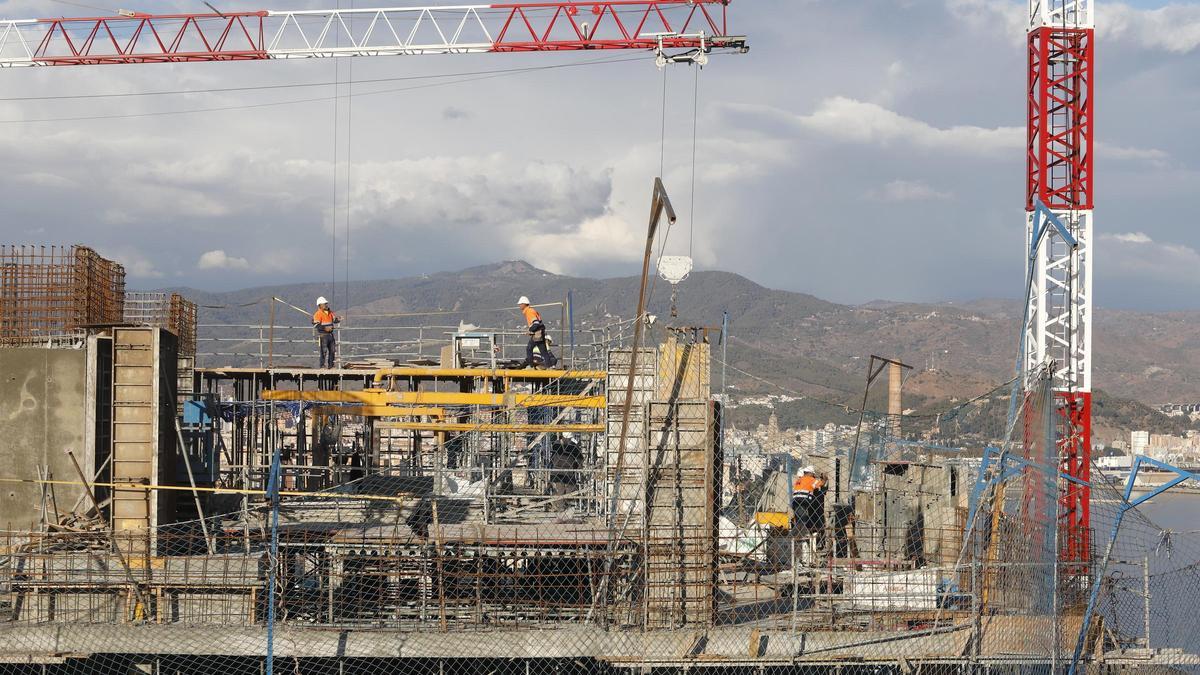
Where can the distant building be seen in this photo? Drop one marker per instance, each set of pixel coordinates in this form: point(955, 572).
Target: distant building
point(1138, 442)
point(773, 436)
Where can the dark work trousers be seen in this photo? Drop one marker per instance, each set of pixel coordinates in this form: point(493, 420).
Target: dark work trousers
point(548, 359)
point(537, 339)
point(328, 349)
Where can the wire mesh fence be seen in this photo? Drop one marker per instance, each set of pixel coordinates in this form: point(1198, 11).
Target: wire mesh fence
point(385, 529)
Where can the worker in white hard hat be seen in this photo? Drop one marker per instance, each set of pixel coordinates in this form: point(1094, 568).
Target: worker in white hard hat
point(324, 321)
point(808, 500)
point(537, 336)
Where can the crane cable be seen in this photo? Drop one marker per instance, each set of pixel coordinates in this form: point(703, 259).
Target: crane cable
point(662, 249)
point(484, 75)
point(333, 208)
point(349, 161)
point(695, 116)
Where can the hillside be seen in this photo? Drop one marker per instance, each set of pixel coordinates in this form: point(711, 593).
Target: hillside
point(800, 343)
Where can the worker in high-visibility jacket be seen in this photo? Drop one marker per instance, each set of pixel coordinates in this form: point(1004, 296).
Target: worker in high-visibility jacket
point(808, 500)
point(537, 337)
point(324, 321)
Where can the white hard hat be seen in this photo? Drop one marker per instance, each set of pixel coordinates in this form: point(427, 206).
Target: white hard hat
point(523, 301)
point(321, 300)
point(808, 469)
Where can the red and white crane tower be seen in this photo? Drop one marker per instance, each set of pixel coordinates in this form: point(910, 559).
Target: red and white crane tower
point(1058, 205)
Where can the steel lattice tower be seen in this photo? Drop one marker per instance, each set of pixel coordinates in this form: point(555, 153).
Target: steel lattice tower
point(1058, 323)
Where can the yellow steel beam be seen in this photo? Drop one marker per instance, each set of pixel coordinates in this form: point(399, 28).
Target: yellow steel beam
point(375, 397)
point(512, 374)
point(377, 411)
point(500, 427)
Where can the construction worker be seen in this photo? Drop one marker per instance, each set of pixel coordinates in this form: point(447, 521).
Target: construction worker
point(537, 336)
point(324, 321)
point(808, 500)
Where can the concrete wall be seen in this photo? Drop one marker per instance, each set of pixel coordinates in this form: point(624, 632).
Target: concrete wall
point(43, 411)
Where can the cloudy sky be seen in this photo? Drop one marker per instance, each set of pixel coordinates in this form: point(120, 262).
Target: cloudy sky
point(863, 149)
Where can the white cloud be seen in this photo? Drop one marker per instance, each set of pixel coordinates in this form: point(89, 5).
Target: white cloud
point(1010, 17)
point(1174, 28)
point(1129, 237)
point(496, 197)
point(1136, 255)
point(218, 260)
point(906, 191)
point(903, 117)
point(1118, 152)
point(853, 121)
point(137, 264)
point(847, 119)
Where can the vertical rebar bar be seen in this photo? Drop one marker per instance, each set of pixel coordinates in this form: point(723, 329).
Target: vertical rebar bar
point(1146, 598)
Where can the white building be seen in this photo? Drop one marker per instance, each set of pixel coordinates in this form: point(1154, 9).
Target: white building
point(1138, 442)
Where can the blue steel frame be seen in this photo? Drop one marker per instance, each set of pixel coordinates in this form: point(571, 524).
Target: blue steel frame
point(273, 561)
point(1006, 472)
point(1126, 504)
point(1040, 209)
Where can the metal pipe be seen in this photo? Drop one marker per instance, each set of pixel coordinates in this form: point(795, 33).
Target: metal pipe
point(187, 463)
point(271, 346)
point(658, 201)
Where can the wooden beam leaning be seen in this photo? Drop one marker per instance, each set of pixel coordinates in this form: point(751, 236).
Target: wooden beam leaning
point(437, 398)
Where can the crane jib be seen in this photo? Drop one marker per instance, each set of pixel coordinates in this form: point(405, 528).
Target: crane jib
point(134, 37)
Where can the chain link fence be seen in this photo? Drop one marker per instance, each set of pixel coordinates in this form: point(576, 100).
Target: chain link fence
point(542, 533)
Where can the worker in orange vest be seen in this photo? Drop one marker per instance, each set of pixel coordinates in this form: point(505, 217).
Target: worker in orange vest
point(808, 499)
point(537, 336)
point(324, 321)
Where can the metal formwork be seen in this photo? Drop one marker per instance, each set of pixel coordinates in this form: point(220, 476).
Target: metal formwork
point(143, 440)
point(625, 458)
point(680, 525)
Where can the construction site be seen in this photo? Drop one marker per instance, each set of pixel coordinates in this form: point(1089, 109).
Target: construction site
point(182, 495)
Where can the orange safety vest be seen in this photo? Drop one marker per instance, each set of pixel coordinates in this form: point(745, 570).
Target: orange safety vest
point(324, 317)
point(531, 315)
point(807, 485)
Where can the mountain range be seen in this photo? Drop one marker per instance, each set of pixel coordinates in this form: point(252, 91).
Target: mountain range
point(796, 344)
